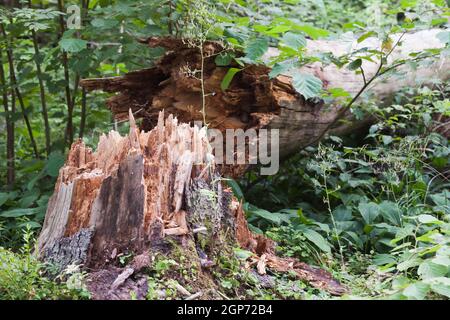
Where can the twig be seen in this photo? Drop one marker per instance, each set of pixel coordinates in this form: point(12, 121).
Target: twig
point(194, 296)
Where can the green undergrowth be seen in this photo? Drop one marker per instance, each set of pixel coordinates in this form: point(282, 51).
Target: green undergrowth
point(376, 213)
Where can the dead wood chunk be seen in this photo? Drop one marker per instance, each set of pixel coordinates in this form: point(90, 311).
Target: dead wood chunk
point(141, 194)
point(118, 211)
point(69, 250)
point(255, 100)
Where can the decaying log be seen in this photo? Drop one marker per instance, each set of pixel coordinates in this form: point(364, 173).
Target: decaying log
point(253, 100)
point(140, 194)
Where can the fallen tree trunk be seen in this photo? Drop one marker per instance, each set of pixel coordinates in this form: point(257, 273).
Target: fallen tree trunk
point(253, 100)
point(152, 194)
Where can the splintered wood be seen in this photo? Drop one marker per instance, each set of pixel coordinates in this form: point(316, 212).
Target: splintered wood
point(129, 191)
point(136, 191)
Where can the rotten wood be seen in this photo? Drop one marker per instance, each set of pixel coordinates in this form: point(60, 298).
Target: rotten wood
point(138, 194)
point(253, 100)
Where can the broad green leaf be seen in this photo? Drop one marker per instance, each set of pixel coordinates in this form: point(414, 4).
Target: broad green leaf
point(54, 163)
point(224, 59)
point(267, 215)
point(442, 289)
point(307, 85)
point(293, 40)
point(416, 291)
point(280, 68)
point(237, 191)
point(72, 45)
point(441, 260)
point(338, 93)
point(390, 212)
point(242, 254)
point(311, 31)
point(317, 239)
point(440, 285)
point(428, 269)
point(14, 213)
point(386, 139)
point(383, 258)
point(29, 224)
point(369, 211)
point(355, 64)
point(28, 200)
point(408, 3)
point(104, 23)
point(254, 229)
point(428, 219)
point(4, 196)
point(277, 29)
point(228, 77)
point(366, 35)
point(409, 263)
point(255, 49)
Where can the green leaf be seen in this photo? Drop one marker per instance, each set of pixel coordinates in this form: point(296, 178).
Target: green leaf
point(390, 212)
point(280, 68)
point(4, 196)
point(317, 239)
point(338, 93)
point(17, 213)
point(29, 224)
point(242, 254)
point(256, 49)
point(416, 291)
point(266, 215)
point(383, 258)
point(369, 211)
point(54, 163)
point(277, 29)
point(237, 191)
point(428, 269)
point(428, 219)
point(72, 45)
point(293, 40)
point(228, 77)
point(366, 35)
point(311, 31)
point(408, 3)
point(386, 139)
point(440, 285)
point(224, 59)
point(307, 85)
point(409, 263)
point(104, 23)
point(355, 64)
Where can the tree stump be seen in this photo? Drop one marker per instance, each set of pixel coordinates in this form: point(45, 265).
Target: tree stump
point(146, 193)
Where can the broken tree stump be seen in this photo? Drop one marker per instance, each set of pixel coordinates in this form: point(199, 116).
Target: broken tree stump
point(139, 194)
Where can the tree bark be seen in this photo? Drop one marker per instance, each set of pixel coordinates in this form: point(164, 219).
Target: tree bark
point(140, 194)
point(253, 100)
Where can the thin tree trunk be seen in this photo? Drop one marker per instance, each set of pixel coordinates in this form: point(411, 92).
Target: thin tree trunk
point(41, 90)
point(10, 167)
point(14, 84)
point(68, 135)
point(85, 6)
point(83, 113)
